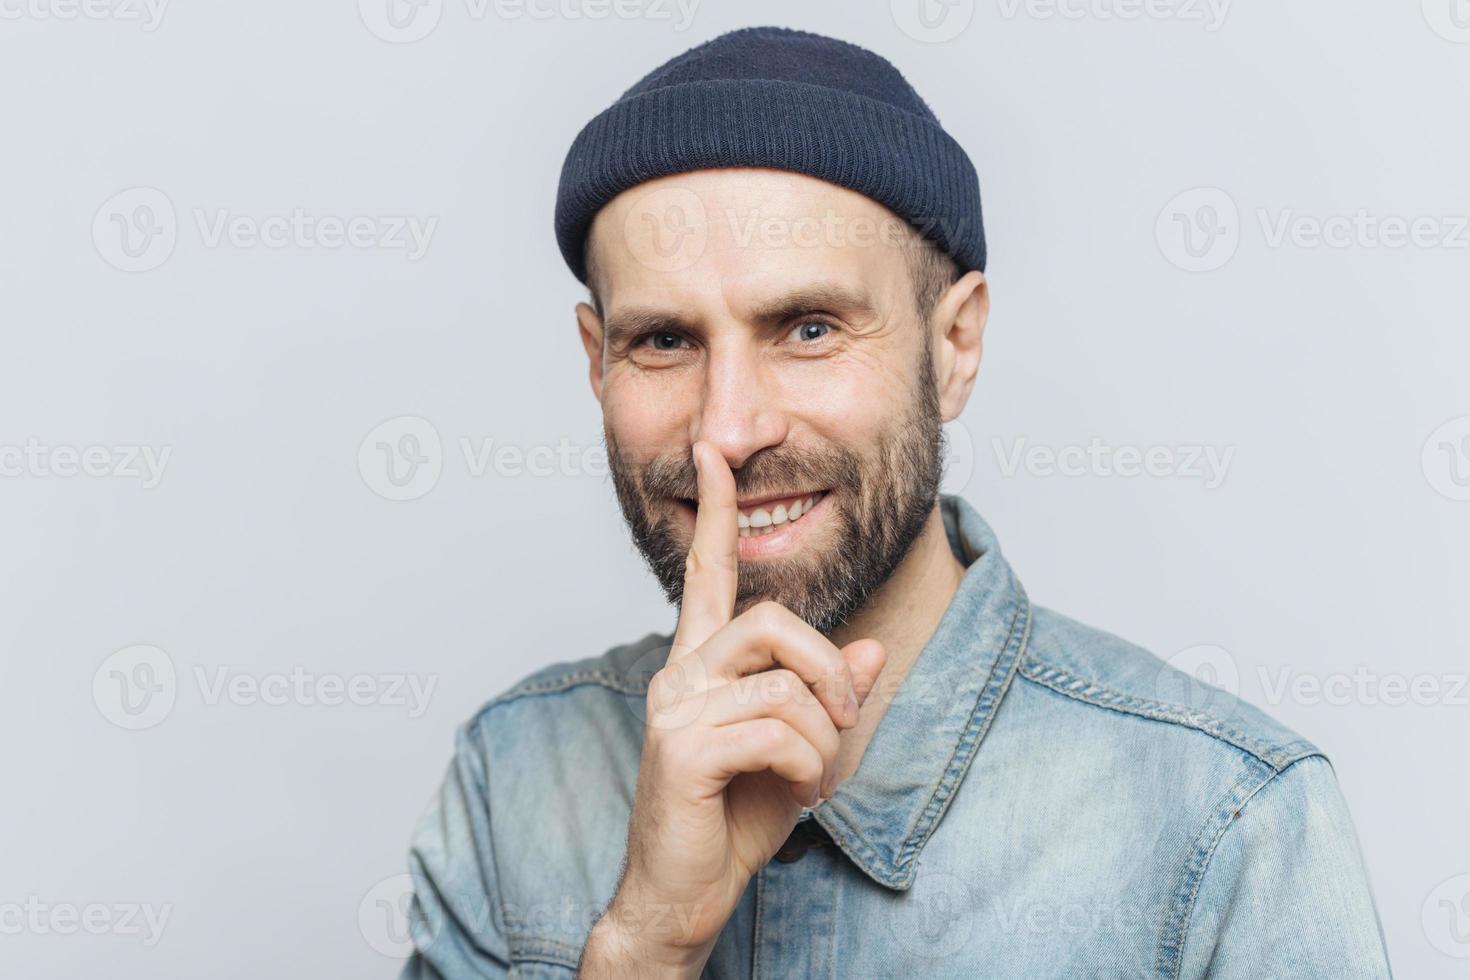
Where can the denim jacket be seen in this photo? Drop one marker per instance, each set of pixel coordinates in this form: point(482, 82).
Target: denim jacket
point(1041, 799)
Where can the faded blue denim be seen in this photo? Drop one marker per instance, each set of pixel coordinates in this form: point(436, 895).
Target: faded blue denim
point(1041, 799)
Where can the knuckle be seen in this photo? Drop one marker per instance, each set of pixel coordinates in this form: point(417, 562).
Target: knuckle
point(830, 743)
point(697, 563)
point(766, 735)
point(768, 614)
point(670, 685)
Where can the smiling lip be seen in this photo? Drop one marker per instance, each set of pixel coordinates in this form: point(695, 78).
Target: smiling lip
point(772, 538)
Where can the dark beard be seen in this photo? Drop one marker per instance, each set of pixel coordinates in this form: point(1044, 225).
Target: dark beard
point(878, 508)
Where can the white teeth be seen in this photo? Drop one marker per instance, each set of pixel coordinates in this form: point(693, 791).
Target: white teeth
point(762, 521)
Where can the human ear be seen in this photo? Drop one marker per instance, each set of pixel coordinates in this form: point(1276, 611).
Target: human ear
point(959, 328)
point(589, 326)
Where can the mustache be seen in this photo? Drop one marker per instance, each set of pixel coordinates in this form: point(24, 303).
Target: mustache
point(773, 470)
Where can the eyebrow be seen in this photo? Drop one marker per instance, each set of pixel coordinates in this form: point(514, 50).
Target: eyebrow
point(625, 326)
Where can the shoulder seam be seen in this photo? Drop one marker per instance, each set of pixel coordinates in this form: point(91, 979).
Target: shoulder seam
point(594, 676)
point(1278, 757)
point(579, 673)
point(564, 682)
point(1171, 947)
point(571, 679)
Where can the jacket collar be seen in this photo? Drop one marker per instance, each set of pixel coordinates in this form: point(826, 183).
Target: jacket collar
point(882, 816)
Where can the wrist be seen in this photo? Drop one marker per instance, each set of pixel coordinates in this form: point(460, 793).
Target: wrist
point(642, 939)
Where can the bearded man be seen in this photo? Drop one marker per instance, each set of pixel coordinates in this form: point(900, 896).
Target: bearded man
point(862, 751)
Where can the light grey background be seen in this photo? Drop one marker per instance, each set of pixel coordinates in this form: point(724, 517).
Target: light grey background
point(1334, 549)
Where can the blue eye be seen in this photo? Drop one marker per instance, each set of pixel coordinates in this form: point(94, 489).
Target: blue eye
point(662, 335)
point(811, 330)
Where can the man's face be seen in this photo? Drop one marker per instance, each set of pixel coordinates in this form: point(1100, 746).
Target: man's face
point(772, 315)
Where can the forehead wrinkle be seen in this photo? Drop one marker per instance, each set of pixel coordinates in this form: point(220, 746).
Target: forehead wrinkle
point(833, 297)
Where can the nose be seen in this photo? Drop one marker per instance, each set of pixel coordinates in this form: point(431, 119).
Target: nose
point(736, 414)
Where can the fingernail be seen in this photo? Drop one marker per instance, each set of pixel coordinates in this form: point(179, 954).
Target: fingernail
point(852, 708)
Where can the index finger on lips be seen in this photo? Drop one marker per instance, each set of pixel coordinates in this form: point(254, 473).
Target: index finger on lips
point(711, 567)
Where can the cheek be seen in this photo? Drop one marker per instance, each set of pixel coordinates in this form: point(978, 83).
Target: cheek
point(850, 402)
point(647, 420)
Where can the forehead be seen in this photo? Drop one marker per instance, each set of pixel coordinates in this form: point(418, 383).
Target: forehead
point(737, 238)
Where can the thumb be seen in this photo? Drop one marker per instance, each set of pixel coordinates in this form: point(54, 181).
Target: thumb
point(866, 659)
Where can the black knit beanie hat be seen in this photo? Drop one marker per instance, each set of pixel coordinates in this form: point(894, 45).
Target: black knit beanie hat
point(785, 99)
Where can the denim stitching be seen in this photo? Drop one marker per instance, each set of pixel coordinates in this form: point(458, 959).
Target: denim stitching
point(980, 719)
point(542, 949)
point(1278, 757)
point(1171, 946)
point(565, 682)
point(994, 688)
